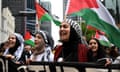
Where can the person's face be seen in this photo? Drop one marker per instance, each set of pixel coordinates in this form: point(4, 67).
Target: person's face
point(6, 45)
point(12, 40)
point(39, 41)
point(107, 50)
point(93, 45)
point(116, 49)
point(64, 31)
point(27, 47)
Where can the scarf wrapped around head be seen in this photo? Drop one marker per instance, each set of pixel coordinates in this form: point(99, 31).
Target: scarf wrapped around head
point(47, 38)
point(19, 51)
point(77, 29)
point(74, 25)
point(20, 38)
point(18, 48)
point(42, 33)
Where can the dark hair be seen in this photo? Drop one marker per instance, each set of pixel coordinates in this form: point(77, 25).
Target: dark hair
point(100, 52)
point(13, 49)
point(73, 35)
point(1, 45)
point(70, 48)
point(50, 40)
point(99, 45)
point(113, 53)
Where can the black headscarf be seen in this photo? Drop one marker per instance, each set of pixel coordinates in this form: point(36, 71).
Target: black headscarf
point(70, 48)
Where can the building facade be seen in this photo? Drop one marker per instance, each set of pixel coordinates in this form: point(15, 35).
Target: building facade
point(15, 6)
point(24, 15)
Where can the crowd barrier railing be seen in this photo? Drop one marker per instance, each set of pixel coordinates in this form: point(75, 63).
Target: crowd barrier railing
point(9, 66)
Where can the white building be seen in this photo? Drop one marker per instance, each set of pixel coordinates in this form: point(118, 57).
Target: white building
point(7, 24)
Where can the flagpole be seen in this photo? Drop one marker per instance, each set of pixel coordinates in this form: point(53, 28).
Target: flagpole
point(65, 17)
point(37, 26)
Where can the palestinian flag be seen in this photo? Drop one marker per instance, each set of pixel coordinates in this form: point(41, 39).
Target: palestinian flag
point(89, 27)
point(96, 15)
point(43, 15)
point(102, 38)
point(29, 39)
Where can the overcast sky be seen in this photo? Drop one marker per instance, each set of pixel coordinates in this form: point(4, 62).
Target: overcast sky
point(57, 9)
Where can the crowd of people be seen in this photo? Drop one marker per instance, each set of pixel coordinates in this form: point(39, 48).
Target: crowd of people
point(73, 47)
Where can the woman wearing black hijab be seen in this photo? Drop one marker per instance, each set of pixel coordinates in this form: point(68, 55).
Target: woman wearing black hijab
point(72, 49)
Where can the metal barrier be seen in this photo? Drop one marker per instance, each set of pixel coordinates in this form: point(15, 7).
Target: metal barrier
point(9, 66)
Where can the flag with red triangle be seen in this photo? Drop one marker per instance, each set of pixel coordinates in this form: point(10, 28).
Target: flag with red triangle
point(102, 38)
point(95, 14)
point(29, 39)
point(42, 15)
